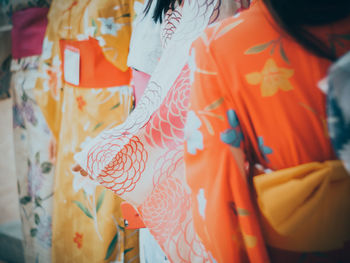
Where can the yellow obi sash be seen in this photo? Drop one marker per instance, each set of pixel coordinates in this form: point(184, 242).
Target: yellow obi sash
point(305, 208)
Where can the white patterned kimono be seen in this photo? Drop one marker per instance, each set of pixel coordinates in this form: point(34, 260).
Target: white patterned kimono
point(142, 159)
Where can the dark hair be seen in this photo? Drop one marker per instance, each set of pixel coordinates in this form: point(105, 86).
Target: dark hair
point(295, 16)
point(161, 8)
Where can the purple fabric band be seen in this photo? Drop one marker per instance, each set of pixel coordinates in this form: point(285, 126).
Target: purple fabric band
point(28, 32)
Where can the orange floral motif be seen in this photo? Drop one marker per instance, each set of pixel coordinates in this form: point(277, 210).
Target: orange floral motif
point(271, 78)
point(81, 102)
point(53, 80)
point(52, 77)
point(78, 239)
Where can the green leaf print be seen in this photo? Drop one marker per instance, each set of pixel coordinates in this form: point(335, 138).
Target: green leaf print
point(100, 200)
point(37, 157)
point(214, 105)
point(112, 246)
point(115, 106)
point(242, 212)
point(273, 49)
point(46, 197)
point(98, 125)
point(24, 97)
point(283, 54)
point(36, 219)
point(46, 167)
point(18, 188)
point(258, 48)
point(125, 15)
point(93, 23)
point(121, 228)
point(83, 208)
point(128, 250)
point(25, 200)
point(262, 47)
point(38, 201)
point(33, 232)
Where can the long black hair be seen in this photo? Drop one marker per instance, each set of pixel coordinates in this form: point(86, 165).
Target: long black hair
point(162, 6)
point(297, 16)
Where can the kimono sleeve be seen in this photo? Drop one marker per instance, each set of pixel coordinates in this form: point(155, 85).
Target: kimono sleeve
point(223, 212)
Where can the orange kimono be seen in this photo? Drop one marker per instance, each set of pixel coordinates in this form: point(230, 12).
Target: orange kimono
point(256, 108)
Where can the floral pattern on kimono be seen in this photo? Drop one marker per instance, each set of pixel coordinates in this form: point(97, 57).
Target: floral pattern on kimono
point(35, 162)
point(142, 159)
point(93, 228)
point(266, 114)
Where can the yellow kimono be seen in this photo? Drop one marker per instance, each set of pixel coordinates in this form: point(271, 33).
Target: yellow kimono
point(89, 39)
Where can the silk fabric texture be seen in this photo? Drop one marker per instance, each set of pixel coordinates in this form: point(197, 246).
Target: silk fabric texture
point(87, 221)
point(35, 162)
point(256, 108)
point(142, 159)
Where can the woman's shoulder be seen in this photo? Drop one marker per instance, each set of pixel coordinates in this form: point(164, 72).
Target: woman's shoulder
point(230, 38)
point(244, 27)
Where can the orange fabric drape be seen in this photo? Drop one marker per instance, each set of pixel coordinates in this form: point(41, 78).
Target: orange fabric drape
point(95, 69)
point(254, 100)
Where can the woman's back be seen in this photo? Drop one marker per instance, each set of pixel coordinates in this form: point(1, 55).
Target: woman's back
point(255, 99)
point(272, 83)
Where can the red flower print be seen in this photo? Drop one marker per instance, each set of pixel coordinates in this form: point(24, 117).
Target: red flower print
point(196, 251)
point(167, 214)
point(165, 209)
point(78, 239)
point(81, 102)
point(166, 126)
point(121, 164)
